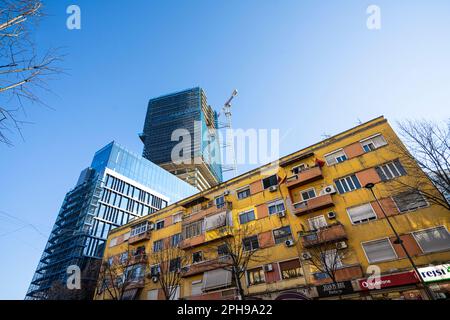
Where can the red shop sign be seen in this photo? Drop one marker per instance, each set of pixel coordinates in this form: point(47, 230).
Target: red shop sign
point(391, 280)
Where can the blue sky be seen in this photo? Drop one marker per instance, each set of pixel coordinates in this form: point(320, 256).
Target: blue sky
point(307, 68)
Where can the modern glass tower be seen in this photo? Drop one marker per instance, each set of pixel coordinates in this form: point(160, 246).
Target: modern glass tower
point(187, 110)
point(118, 187)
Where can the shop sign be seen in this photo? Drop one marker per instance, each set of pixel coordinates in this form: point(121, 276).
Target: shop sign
point(435, 273)
point(392, 280)
point(334, 289)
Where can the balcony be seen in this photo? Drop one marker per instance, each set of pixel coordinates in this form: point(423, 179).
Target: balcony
point(192, 242)
point(205, 210)
point(332, 233)
point(304, 177)
point(139, 258)
point(207, 265)
point(314, 204)
point(218, 233)
point(140, 237)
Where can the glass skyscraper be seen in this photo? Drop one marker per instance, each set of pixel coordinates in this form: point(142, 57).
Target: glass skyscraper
point(118, 187)
point(190, 111)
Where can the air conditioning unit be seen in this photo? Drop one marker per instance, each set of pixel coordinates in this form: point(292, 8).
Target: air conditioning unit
point(331, 215)
point(273, 188)
point(226, 193)
point(151, 226)
point(328, 190)
point(341, 245)
point(306, 255)
point(282, 214)
point(268, 267)
point(289, 243)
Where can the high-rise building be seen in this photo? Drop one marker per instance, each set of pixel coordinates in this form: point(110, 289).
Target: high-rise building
point(189, 112)
point(118, 187)
point(311, 227)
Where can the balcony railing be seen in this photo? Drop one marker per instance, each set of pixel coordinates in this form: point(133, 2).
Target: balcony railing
point(313, 204)
point(304, 177)
point(207, 265)
point(192, 242)
point(332, 233)
point(205, 210)
point(140, 237)
point(139, 258)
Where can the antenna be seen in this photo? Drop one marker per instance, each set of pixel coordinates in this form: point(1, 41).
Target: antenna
point(230, 144)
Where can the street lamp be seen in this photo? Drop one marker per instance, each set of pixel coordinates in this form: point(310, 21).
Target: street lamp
point(399, 241)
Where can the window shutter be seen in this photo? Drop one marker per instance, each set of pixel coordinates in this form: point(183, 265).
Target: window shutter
point(215, 279)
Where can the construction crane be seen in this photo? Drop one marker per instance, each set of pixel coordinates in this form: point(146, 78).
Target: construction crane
point(230, 144)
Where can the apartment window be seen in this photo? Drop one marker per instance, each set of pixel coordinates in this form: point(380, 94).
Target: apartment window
point(270, 181)
point(251, 243)
point(255, 276)
point(308, 194)
point(335, 157)
point(197, 257)
point(276, 207)
point(174, 264)
point(317, 223)
point(390, 170)
point(432, 240)
point(299, 168)
point(222, 250)
point(408, 201)
point(347, 184)
point(331, 259)
point(175, 239)
point(155, 270)
point(220, 202)
point(196, 288)
point(159, 224)
point(282, 234)
point(139, 229)
point(246, 217)
point(177, 217)
point(373, 143)
point(244, 193)
point(290, 269)
point(379, 250)
point(157, 245)
point(362, 213)
point(193, 229)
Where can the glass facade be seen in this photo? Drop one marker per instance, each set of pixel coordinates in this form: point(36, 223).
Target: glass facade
point(118, 187)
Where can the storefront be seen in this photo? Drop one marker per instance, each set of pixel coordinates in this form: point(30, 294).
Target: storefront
point(438, 280)
point(338, 290)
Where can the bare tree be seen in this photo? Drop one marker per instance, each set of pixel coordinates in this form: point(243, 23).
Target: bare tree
point(23, 68)
point(427, 150)
point(121, 273)
point(166, 267)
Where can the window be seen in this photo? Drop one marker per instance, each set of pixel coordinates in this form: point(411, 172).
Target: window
point(255, 276)
point(308, 194)
point(432, 240)
point(331, 259)
point(299, 168)
point(373, 143)
point(220, 202)
point(139, 229)
point(175, 239)
point(174, 264)
point(362, 213)
point(193, 229)
point(251, 243)
point(157, 245)
point(246, 217)
point(222, 250)
point(335, 157)
point(282, 234)
point(390, 170)
point(134, 273)
point(123, 257)
point(276, 207)
point(155, 270)
point(196, 288)
point(197, 257)
point(347, 184)
point(244, 193)
point(177, 217)
point(270, 181)
point(216, 221)
point(379, 250)
point(408, 201)
point(290, 269)
point(317, 223)
point(159, 224)
point(216, 279)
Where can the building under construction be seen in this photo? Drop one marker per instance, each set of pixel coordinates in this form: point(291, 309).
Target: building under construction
point(189, 112)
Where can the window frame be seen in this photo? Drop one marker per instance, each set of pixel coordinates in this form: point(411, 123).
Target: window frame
point(159, 222)
point(246, 214)
point(251, 243)
point(361, 221)
point(308, 190)
point(266, 178)
point(410, 210)
point(276, 203)
point(379, 239)
point(260, 271)
point(243, 189)
point(335, 158)
point(385, 166)
point(370, 138)
point(422, 230)
point(298, 166)
point(344, 178)
point(285, 237)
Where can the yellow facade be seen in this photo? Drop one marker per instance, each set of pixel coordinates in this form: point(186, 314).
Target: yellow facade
point(355, 265)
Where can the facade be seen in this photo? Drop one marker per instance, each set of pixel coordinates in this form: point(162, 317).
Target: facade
point(313, 200)
point(188, 111)
point(117, 188)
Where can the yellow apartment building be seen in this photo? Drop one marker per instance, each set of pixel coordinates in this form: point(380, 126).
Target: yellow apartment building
point(312, 203)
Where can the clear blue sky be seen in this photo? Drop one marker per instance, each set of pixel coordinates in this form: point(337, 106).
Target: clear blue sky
point(305, 67)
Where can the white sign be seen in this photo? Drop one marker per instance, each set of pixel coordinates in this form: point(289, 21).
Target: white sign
point(435, 273)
